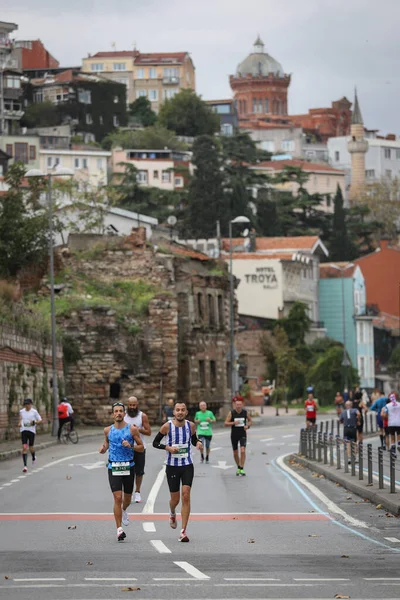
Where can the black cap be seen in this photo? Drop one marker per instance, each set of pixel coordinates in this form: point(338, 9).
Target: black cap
point(28, 401)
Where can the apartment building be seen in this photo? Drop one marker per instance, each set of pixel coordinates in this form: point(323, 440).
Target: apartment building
point(90, 166)
point(157, 76)
point(11, 106)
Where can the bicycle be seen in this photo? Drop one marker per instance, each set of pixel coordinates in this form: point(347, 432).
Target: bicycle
point(67, 435)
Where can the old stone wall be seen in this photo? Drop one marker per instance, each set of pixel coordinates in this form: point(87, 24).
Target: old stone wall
point(25, 372)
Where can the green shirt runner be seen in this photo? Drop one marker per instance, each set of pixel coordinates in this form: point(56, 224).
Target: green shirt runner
point(204, 427)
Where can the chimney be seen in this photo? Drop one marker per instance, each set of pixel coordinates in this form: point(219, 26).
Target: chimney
point(391, 137)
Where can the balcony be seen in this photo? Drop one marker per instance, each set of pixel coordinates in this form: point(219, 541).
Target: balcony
point(13, 114)
point(171, 80)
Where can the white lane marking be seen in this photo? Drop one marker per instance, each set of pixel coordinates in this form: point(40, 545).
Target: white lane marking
point(174, 579)
point(149, 506)
point(250, 579)
point(191, 570)
point(214, 449)
point(160, 547)
point(332, 507)
point(162, 514)
point(14, 480)
point(40, 579)
point(6, 484)
point(288, 436)
point(110, 579)
point(149, 527)
point(267, 440)
point(321, 579)
point(266, 585)
point(381, 578)
point(22, 477)
point(394, 540)
point(222, 465)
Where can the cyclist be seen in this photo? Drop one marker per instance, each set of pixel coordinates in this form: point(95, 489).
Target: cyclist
point(134, 416)
point(120, 439)
point(311, 406)
point(65, 415)
point(204, 419)
point(28, 419)
point(240, 421)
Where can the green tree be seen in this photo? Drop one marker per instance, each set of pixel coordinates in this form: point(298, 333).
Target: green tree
point(326, 374)
point(42, 114)
point(23, 224)
point(141, 112)
point(188, 115)
point(150, 138)
point(296, 324)
point(383, 200)
point(394, 364)
point(341, 247)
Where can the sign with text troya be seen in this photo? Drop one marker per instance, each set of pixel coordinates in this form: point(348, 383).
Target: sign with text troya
point(264, 276)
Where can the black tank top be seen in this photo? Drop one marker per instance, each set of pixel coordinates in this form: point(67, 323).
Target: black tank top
point(240, 420)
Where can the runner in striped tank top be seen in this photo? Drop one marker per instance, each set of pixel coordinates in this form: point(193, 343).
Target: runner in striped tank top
point(179, 435)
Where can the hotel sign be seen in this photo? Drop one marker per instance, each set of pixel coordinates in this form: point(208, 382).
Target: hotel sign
point(265, 276)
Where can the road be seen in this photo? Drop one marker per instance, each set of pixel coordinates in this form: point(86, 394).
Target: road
point(266, 535)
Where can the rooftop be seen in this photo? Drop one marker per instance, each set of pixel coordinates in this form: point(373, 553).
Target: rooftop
point(272, 245)
point(326, 271)
point(278, 165)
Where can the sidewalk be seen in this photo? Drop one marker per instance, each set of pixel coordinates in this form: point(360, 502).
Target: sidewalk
point(12, 448)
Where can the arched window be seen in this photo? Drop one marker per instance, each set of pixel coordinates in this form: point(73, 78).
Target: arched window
point(200, 313)
point(266, 105)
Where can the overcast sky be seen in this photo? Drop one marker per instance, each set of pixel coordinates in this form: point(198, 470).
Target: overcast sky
point(328, 46)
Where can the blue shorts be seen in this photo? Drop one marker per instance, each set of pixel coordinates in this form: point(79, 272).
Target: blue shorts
point(205, 440)
point(379, 421)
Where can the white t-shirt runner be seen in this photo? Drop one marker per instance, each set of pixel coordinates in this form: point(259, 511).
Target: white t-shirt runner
point(27, 416)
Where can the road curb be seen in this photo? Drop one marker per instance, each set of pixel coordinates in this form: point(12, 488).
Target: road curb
point(391, 502)
point(8, 454)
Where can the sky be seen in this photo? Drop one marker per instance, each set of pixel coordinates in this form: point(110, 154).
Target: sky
point(328, 46)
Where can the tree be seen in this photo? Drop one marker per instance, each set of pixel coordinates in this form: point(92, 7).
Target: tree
point(326, 374)
point(296, 324)
point(383, 200)
point(42, 114)
point(340, 244)
point(150, 138)
point(188, 115)
point(141, 112)
point(24, 231)
point(394, 364)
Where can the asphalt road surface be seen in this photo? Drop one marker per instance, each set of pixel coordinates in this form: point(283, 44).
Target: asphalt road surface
point(279, 532)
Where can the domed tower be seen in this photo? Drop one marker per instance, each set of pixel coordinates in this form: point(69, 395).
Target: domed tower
point(357, 147)
point(260, 86)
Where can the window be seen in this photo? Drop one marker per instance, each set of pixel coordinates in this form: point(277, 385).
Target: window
point(388, 173)
point(152, 73)
point(166, 177)
point(337, 155)
point(168, 94)
point(361, 366)
point(116, 99)
point(153, 95)
point(178, 182)
point(123, 80)
point(84, 163)
point(361, 333)
point(269, 146)
point(119, 66)
point(32, 152)
point(370, 173)
point(170, 72)
point(398, 154)
point(9, 149)
point(97, 67)
point(200, 306)
point(213, 374)
point(202, 374)
point(84, 96)
point(386, 153)
point(115, 390)
point(223, 109)
point(266, 105)
point(220, 311)
point(155, 174)
point(140, 74)
point(115, 121)
point(227, 129)
point(288, 145)
point(142, 176)
point(21, 152)
point(211, 312)
point(141, 93)
point(12, 82)
point(49, 162)
point(76, 163)
point(89, 119)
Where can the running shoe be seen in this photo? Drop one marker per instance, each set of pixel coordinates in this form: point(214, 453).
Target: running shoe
point(138, 497)
point(33, 462)
point(172, 521)
point(242, 473)
point(25, 470)
point(207, 459)
point(121, 535)
point(238, 471)
point(183, 537)
point(202, 459)
point(125, 518)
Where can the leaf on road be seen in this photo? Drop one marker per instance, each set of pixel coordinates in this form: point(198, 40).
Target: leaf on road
point(313, 535)
point(72, 527)
point(370, 484)
point(349, 498)
point(89, 563)
point(388, 515)
point(378, 506)
point(6, 577)
point(264, 452)
point(68, 477)
point(338, 484)
point(341, 597)
point(130, 589)
point(311, 511)
point(251, 541)
point(315, 475)
point(345, 556)
point(267, 463)
point(366, 500)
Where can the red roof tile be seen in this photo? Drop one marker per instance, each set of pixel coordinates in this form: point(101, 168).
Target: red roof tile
point(326, 271)
point(278, 165)
point(116, 54)
point(184, 251)
point(385, 321)
point(255, 256)
point(157, 57)
point(289, 244)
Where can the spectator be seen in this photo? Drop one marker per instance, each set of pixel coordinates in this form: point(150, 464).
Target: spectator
point(339, 403)
point(359, 404)
point(350, 417)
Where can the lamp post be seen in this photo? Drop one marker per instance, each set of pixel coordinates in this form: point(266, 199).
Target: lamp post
point(59, 172)
point(231, 301)
point(345, 362)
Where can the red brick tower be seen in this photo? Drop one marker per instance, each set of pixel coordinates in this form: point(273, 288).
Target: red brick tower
point(260, 87)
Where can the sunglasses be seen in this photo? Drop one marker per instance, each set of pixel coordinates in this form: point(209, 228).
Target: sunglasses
point(118, 404)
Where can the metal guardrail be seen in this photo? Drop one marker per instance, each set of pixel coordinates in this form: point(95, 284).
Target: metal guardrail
point(324, 444)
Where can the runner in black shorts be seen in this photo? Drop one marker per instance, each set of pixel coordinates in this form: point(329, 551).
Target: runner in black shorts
point(239, 420)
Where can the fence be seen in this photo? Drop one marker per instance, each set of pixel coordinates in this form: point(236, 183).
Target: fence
point(326, 445)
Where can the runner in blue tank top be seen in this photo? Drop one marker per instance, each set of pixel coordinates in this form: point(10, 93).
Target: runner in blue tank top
point(120, 439)
point(180, 436)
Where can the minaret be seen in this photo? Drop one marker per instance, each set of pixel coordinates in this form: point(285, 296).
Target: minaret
point(357, 147)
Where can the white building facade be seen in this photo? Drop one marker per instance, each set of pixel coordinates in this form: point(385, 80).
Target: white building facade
point(90, 166)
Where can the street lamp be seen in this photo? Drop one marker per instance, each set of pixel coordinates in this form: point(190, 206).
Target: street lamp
point(345, 362)
point(231, 299)
point(59, 172)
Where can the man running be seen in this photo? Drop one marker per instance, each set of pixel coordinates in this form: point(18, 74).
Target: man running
point(28, 419)
point(134, 416)
point(180, 436)
point(120, 439)
point(377, 406)
point(350, 417)
point(239, 421)
point(392, 410)
point(311, 406)
point(204, 419)
point(65, 415)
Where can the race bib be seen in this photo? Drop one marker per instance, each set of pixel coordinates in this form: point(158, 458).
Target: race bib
point(239, 422)
point(310, 408)
point(121, 468)
point(183, 450)
point(27, 423)
point(204, 425)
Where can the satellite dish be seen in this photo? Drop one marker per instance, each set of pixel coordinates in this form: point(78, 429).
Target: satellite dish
point(172, 220)
point(245, 233)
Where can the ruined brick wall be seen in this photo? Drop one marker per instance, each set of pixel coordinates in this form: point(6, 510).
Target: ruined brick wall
point(25, 372)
